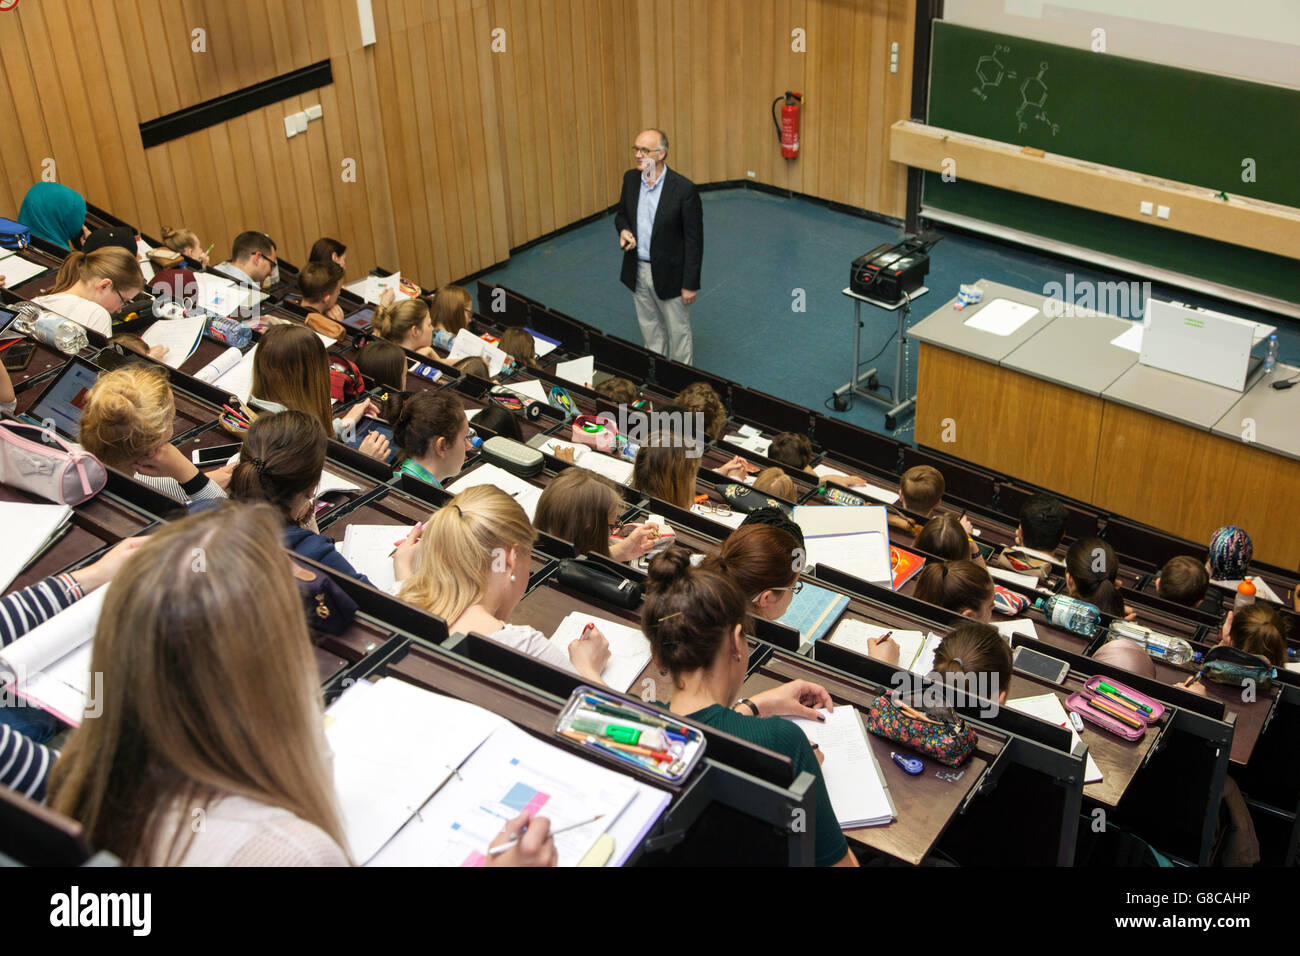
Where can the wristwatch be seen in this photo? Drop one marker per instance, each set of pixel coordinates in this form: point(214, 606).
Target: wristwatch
point(748, 703)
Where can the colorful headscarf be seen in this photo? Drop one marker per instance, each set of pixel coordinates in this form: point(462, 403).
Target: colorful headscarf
point(1230, 553)
point(54, 212)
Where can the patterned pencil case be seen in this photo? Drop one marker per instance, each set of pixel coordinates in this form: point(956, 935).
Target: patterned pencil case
point(1115, 707)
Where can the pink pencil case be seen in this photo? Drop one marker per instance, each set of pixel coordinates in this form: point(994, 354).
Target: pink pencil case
point(1090, 702)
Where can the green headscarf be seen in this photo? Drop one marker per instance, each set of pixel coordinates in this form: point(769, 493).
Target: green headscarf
point(54, 212)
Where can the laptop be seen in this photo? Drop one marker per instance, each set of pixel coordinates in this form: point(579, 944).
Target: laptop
point(1202, 344)
point(63, 399)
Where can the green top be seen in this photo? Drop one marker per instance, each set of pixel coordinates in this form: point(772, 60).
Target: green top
point(780, 736)
point(416, 470)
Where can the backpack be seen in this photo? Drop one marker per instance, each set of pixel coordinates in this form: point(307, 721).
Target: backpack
point(14, 235)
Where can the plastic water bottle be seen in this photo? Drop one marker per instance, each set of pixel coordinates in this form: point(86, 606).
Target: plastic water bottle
point(1270, 354)
point(1070, 613)
point(1245, 595)
point(52, 330)
point(442, 339)
point(1161, 647)
point(228, 331)
point(624, 448)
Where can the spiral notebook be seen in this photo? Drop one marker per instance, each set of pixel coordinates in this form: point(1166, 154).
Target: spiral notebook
point(854, 782)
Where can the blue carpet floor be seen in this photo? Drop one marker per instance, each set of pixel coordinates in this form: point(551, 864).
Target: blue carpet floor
point(760, 252)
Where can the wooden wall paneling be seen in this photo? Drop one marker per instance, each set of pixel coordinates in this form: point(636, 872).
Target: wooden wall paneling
point(452, 144)
point(434, 138)
point(123, 106)
point(586, 82)
point(503, 15)
point(26, 142)
point(477, 166)
point(49, 94)
point(497, 229)
point(392, 58)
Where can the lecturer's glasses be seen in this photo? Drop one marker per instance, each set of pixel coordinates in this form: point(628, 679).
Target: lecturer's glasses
point(646, 150)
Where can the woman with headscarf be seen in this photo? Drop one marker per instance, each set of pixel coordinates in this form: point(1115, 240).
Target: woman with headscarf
point(55, 213)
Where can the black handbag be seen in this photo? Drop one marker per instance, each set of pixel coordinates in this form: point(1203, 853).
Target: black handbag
point(328, 609)
point(600, 581)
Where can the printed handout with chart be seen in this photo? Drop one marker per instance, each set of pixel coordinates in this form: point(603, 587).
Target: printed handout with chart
point(428, 780)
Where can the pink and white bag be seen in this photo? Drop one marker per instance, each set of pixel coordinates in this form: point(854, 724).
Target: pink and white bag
point(36, 460)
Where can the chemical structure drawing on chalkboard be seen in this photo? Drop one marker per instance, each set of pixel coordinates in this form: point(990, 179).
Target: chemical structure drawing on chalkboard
point(990, 71)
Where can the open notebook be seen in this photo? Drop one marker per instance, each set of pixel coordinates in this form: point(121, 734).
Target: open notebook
point(369, 549)
point(410, 796)
point(584, 456)
point(525, 493)
point(179, 336)
point(1048, 707)
point(915, 649)
point(231, 371)
point(49, 666)
point(30, 529)
point(629, 650)
point(854, 782)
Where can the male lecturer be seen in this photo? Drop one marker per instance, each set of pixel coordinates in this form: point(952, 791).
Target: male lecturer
point(660, 225)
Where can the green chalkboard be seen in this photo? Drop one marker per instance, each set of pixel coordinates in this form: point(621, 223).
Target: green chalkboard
point(1164, 121)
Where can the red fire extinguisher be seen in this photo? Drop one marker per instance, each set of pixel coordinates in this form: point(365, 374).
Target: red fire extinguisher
point(787, 128)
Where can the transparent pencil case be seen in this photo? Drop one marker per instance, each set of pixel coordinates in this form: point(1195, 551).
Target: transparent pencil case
point(630, 735)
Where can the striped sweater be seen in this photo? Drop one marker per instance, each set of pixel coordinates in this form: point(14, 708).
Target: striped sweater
point(24, 764)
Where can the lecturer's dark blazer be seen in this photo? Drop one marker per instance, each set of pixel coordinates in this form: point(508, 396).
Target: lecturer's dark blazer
point(677, 239)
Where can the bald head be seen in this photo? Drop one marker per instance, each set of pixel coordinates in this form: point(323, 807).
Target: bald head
point(1129, 655)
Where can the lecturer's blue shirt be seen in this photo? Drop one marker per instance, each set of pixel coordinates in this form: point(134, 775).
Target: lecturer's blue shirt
point(646, 208)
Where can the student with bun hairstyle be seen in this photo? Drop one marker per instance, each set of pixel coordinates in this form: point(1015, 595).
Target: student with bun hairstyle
point(764, 562)
point(432, 436)
point(197, 667)
point(281, 464)
point(127, 423)
point(977, 650)
point(89, 289)
point(962, 586)
point(695, 620)
point(185, 242)
point(472, 571)
point(1092, 573)
point(407, 324)
point(291, 370)
point(582, 507)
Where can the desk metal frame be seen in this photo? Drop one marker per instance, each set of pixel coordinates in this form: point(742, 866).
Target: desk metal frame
point(896, 403)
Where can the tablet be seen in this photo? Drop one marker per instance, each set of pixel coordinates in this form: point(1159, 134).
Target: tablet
point(62, 401)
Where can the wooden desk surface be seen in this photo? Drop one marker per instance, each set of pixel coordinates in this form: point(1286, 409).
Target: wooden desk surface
point(43, 359)
point(924, 804)
point(99, 522)
point(1118, 760)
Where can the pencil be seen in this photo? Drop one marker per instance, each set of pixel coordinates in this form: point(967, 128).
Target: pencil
point(497, 850)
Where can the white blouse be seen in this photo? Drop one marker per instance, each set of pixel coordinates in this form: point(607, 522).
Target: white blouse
point(90, 315)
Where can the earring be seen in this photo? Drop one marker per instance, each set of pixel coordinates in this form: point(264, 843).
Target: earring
point(512, 576)
point(737, 657)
